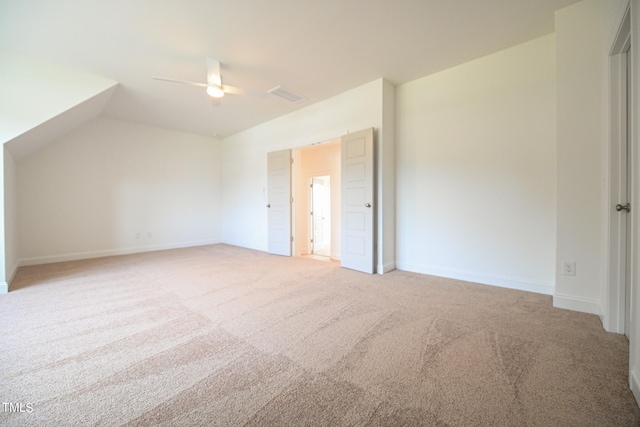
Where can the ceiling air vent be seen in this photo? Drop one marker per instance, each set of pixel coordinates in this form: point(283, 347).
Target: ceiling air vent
point(285, 93)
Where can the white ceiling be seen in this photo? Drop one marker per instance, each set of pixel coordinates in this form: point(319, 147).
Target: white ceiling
point(316, 48)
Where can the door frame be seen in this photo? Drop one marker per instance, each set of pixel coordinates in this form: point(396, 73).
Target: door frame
point(384, 236)
point(615, 308)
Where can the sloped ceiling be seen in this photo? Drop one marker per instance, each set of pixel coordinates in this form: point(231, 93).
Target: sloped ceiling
point(316, 48)
point(42, 101)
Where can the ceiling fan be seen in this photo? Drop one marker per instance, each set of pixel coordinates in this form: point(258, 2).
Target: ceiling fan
point(215, 89)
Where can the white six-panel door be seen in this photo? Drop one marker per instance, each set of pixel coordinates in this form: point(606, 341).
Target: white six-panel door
point(279, 202)
point(357, 208)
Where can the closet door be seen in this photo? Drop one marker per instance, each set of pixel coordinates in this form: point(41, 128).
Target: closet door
point(279, 202)
point(357, 201)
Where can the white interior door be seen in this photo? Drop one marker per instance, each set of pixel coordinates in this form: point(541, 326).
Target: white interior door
point(279, 202)
point(357, 207)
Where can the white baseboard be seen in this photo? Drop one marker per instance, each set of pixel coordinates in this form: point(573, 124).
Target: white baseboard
point(12, 274)
point(634, 383)
point(111, 252)
point(4, 287)
point(245, 245)
point(385, 268)
point(485, 279)
point(576, 304)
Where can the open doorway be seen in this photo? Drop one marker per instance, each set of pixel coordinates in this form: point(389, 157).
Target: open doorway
point(317, 219)
point(320, 215)
point(349, 163)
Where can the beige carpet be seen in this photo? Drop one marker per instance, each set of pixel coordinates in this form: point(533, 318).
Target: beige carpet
point(219, 335)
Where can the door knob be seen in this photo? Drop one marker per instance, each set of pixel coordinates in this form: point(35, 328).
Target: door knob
point(368, 205)
point(269, 205)
point(620, 207)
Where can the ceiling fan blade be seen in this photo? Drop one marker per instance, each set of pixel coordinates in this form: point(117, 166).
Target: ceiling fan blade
point(213, 72)
point(214, 85)
point(167, 79)
point(240, 91)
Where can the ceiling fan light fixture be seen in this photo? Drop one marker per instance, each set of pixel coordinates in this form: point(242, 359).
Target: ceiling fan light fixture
point(215, 91)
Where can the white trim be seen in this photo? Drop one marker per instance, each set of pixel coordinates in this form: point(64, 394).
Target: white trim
point(111, 252)
point(385, 268)
point(245, 245)
point(484, 279)
point(634, 384)
point(13, 273)
point(634, 336)
point(615, 36)
point(613, 298)
point(583, 305)
point(4, 287)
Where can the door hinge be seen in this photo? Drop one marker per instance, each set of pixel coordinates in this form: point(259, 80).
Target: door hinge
point(311, 213)
point(292, 238)
point(291, 160)
point(292, 200)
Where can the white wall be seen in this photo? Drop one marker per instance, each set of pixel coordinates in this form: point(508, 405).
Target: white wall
point(245, 155)
point(323, 159)
point(583, 33)
point(476, 185)
point(580, 174)
point(113, 187)
point(10, 216)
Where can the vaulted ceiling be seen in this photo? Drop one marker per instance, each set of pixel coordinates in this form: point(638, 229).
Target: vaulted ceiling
point(316, 48)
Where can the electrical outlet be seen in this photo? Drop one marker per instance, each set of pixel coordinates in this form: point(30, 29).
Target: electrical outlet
point(569, 268)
